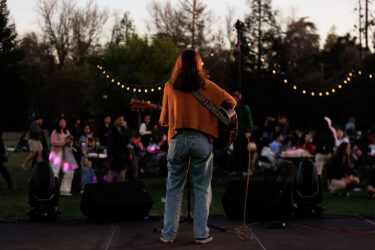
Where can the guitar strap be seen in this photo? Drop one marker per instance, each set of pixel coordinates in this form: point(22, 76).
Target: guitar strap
point(213, 110)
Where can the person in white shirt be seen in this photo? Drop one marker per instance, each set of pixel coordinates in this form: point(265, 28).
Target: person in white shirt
point(145, 131)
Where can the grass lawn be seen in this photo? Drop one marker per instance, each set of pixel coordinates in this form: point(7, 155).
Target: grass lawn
point(14, 203)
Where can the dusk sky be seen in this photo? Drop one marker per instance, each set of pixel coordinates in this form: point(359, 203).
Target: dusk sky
point(324, 13)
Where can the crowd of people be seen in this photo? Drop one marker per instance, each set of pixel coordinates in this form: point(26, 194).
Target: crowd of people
point(343, 156)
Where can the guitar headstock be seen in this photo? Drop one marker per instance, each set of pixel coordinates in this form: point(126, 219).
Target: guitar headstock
point(141, 105)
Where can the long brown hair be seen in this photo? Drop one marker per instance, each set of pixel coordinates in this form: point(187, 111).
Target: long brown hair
point(340, 157)
point(188, 74)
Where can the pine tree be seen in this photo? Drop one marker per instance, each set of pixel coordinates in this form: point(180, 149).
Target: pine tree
point(261, 39)
point(8, 44)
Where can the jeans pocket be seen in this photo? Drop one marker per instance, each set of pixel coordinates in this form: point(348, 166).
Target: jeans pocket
point(202, 148)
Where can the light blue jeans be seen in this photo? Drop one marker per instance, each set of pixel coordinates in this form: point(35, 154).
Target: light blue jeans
point(87, 176)
point(195, 145)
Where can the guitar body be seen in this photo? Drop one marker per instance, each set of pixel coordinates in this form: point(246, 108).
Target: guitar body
point(227, 134)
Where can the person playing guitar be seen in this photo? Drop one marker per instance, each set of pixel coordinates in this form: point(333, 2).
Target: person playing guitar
point(191, 133)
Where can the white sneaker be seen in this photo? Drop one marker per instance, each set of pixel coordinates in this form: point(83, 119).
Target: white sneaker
point(65, 194)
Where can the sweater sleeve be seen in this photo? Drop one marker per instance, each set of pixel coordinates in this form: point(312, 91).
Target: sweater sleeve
point(228, 100)
point(164, 111)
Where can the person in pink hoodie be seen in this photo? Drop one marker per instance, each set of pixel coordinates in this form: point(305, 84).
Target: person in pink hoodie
point(56, 156)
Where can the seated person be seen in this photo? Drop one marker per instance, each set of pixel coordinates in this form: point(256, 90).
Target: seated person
point(339, 171)
point(267, 159)
point(23, 144)
point(275, 146)
point(306, 143)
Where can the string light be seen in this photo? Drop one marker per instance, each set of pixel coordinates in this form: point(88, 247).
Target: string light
point(134, 90)
point(118, 83)
point(152, 90)
point(304, 92)
point(312, 93)
point(113, 80)
point(159, 88)
point(262, 59)
point(128, 88)
point(294, 87)
point(370, 76)
point(333, 90)
point(320, 94)
point(107, 76)
point(139, 90)
point(273, 71)
point(285, 81)
point(350, 74)
point(327, 93)
point(348, 79)
point(359, 72)
point(104, 72)
point(212, 53)
point(340, 86)
point(249, 45)
point(122, 86)
point(146, 90)
point(345, 82)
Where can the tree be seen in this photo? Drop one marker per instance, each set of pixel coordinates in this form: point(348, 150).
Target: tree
point(122, 29)
point(168, 22)
point(8, 39)
point(12, 89)
point(87, 26)
point(331, 39)
point(302, 41)
point(260, 37)
point(70, 30)
point(197, 20)
point(187, 24)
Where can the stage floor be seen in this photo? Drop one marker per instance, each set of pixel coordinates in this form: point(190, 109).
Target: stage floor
point(78, 233)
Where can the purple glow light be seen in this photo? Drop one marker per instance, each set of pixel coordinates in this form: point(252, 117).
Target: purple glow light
point(51, 155)
point(96, 180)
point(56, 160)
point(65, 166)
point(238, 47)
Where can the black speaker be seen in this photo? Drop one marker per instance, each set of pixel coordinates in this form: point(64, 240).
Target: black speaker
point(266, 200)
point(116, 201)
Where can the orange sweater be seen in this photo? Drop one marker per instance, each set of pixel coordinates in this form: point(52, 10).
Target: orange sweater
point(183, 110)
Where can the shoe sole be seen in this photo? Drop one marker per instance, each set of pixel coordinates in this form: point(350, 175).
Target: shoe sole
point(166, 241)
point(204, 241)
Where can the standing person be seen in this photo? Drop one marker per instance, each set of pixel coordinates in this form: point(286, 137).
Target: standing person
point(35, 142)
point(350, 128)
point(57, 157)
point(325, 142)
point(86, 141)
point(117, 150)
point(74, 129)
point(192, 129)
point(145, 131)
point(104, 131)
point(241, 152)
point(3, 158)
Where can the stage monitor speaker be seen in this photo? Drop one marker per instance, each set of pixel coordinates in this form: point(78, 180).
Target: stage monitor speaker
point(116, 201)
point(266, 200)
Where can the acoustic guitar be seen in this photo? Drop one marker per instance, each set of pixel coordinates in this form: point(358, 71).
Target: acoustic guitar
point(227, 133)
